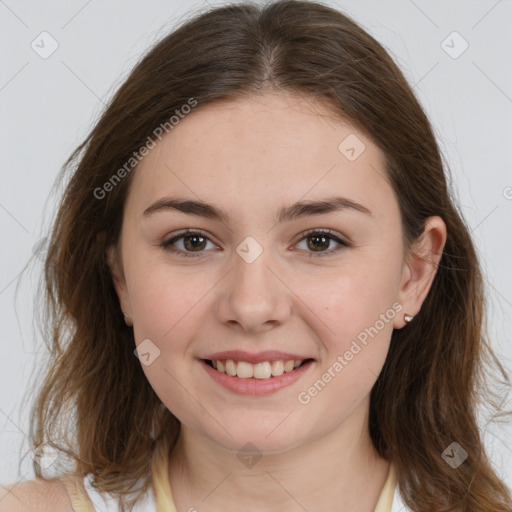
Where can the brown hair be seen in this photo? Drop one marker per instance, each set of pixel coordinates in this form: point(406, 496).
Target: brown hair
point(436, 370)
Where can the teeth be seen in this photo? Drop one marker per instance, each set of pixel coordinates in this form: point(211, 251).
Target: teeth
point(244, 370)
point(230, 367)
point(277, 368)
point(263, 370)
point(288, 366)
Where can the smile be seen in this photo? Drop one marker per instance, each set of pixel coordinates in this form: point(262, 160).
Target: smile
point(262, 378)
point(262, 370)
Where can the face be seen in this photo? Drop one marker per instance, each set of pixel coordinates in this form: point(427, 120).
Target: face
point(319, 285)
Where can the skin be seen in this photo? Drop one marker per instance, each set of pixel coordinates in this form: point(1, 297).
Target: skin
point(251, 157)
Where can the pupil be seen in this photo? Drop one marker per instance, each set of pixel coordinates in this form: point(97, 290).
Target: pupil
point(319, 237)
point(196, 238)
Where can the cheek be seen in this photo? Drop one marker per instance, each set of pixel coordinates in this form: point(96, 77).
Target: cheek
point(354, 314)
point(166, 308)
point(352, 301)
point(169, 314)
point(160, 293)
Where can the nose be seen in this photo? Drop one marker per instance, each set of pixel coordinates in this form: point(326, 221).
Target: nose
point(253, 296)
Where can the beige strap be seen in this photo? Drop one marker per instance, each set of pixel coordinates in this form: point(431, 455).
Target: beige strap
point(77, 494)
point(388, 491)
point(160, 469)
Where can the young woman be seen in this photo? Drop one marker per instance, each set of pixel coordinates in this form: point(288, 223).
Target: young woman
point(261, 294)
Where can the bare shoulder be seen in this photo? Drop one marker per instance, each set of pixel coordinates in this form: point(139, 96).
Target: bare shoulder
point(35, 496)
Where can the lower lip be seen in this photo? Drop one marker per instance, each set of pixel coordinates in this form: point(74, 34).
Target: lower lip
point(253, 386)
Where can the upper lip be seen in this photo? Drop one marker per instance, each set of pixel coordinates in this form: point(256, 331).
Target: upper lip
point(268, 355)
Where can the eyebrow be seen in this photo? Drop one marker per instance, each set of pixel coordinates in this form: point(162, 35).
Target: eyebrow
point(295, 211)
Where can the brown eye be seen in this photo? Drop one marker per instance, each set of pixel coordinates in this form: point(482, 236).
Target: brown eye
point(193, 243)
point(319, 241)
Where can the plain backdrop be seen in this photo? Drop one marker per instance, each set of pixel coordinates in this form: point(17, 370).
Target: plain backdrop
point(456, 55)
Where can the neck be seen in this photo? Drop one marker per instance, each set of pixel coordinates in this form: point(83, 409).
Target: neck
point(340, 469)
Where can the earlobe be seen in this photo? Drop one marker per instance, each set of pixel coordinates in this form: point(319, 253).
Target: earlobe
point(421, 267)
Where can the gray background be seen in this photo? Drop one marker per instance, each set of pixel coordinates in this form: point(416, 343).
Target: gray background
point(48, 105)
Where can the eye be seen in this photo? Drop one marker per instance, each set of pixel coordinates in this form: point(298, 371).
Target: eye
point(320, 239)
point(193, 243)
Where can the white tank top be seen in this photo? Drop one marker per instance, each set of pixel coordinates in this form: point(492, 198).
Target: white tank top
point(104, 502)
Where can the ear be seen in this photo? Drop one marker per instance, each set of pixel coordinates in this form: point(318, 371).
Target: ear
point(118, 279)
point(420, 268)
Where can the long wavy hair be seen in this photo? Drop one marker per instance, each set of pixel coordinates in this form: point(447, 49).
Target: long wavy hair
point(95, 406)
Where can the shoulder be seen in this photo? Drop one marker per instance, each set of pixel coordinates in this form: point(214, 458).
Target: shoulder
point(35, 496)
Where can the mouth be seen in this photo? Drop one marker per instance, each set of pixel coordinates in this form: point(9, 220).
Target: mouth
point(263, 370)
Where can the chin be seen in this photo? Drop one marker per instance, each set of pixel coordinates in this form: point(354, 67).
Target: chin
point(249, 435)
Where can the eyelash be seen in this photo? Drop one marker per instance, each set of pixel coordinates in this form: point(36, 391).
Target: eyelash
point(167, 245)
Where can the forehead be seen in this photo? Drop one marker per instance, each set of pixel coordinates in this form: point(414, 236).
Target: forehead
point(271, 147)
